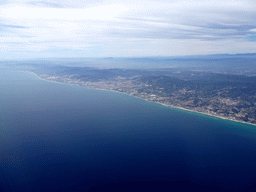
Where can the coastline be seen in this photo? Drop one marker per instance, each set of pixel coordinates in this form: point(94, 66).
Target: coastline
point(165, 105)
point(181, 108)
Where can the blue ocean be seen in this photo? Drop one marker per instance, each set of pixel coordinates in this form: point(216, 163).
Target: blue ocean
point(61, 137)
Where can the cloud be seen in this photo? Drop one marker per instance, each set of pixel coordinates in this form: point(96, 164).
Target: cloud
point(46, 4)
point(20, 13)
point(2, 26)
point(124, 27)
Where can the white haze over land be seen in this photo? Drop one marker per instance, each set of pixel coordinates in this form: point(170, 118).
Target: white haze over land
point(121, 28)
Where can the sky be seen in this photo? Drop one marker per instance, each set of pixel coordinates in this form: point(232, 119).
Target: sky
point(121, 28)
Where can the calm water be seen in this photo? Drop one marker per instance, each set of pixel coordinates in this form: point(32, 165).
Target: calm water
point(59, 137)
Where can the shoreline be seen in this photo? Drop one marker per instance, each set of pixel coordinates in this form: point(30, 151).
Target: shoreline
point(165, 105)
point(184, 109)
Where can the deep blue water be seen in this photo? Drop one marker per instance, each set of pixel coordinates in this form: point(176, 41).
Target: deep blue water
point(60, 137)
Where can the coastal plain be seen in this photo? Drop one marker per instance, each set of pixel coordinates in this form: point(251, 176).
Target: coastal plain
point(227, 96)
point(221, 86)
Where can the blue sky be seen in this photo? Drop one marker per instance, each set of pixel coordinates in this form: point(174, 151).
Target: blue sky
point(121, 28)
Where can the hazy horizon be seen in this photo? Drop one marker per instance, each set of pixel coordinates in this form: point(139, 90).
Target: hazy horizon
point(207, 56)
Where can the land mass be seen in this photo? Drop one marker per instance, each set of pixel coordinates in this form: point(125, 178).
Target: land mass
point(214, 87)
point(223, 95)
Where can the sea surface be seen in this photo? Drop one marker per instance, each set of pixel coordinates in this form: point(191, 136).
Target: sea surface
point(61, 137)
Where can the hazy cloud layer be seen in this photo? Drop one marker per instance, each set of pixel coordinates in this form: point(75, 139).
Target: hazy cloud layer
point(52, 28)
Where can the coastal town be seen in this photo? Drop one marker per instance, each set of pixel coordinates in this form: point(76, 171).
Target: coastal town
point(172, 93)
